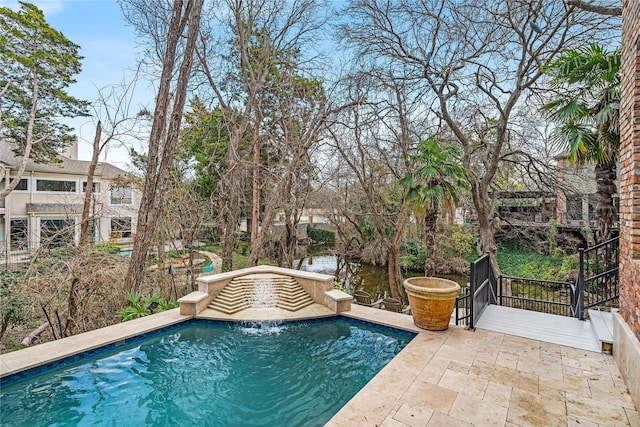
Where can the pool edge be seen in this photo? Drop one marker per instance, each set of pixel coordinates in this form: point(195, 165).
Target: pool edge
point(41, 354)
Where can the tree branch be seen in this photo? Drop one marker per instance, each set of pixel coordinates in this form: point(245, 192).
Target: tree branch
point(594, 8)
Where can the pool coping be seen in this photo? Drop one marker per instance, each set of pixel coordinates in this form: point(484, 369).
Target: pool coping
point(52, 351)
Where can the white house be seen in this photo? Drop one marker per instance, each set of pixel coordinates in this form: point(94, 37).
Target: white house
point(46, 206)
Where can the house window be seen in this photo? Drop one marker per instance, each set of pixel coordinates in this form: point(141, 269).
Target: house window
point(57, 232)
point(96, 187)
point(56, 185)
point(22, 185)
point(574, 208)
point(121, 196)
point(121, 228)
point(19, 234)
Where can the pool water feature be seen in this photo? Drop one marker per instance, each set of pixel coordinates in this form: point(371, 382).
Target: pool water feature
point(209, 373)
point(264, 294)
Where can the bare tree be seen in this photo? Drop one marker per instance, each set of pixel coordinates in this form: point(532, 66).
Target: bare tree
point(270, 46)
point(480, 60)
point(165, 129)
point(374, 139)
point(113, 108)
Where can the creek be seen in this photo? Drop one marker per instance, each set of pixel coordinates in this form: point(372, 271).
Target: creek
point(354, 275)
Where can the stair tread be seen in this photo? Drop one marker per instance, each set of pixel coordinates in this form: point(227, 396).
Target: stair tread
point(602, 325)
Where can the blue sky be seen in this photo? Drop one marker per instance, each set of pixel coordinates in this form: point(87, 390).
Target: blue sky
point(108, 46)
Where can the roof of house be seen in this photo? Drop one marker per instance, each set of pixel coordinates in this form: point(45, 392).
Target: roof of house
point(66, 165)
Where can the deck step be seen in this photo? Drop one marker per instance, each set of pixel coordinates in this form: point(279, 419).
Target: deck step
point(602, 325)
point(551, 328)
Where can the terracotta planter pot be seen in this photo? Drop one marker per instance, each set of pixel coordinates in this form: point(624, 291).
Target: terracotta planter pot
point(432, 300)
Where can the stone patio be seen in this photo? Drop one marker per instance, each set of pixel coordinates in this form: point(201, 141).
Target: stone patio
point(484, 378)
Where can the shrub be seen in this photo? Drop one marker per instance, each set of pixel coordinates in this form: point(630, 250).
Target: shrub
point(138, 307)
point(320, 235)
point(108, 247)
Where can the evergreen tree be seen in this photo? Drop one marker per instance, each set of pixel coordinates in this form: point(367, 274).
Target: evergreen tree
point(37, 65)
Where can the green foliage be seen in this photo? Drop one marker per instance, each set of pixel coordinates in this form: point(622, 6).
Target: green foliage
point(337, 285)
point(586, 107)
point(205, 139)
point(412, 255)
point(13, 310)
point(460, 242)
point(320, 235)
point(32, 51)
point(108, 247)
point(457, 248)
point(439, 176)
point(589, 237)
point(139, 307)
point(532, 265)
point(239, 260)
point(368, 229)
point(570, 266)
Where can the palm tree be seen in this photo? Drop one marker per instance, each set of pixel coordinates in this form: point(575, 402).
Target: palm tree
point(587, 109)
point(436, 182)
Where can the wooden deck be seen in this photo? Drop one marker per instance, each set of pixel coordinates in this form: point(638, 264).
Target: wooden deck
point(544, 327)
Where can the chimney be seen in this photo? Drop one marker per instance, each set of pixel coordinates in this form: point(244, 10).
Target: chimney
point(71, 151)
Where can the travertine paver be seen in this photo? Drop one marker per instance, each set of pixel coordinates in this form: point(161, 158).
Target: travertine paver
point(484, 378)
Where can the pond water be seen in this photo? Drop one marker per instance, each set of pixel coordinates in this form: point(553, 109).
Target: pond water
point(354, 275)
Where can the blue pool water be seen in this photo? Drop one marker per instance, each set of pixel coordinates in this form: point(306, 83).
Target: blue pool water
point(209, 373)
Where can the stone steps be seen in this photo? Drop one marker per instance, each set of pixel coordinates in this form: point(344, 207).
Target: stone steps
point(271, 290)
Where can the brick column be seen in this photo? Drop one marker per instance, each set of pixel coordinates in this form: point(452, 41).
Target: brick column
point(630, 167)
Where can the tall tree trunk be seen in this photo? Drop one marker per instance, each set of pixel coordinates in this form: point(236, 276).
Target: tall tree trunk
point(606, 188)
point(229, 222)
point(430, 220)
point(255, 199)
point(482, 204)
point(267, 222)
point(162, 140)
point(72, 308)
point(88, 194)
point(393, 268)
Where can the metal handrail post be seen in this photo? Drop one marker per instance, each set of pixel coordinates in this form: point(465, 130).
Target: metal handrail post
point(580, 287)
point(472, 294)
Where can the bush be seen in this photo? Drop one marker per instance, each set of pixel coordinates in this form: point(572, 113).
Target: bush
point(138, 307)
point(320, 235)
point(107, 247)
point(532, 265)
point(13, 310)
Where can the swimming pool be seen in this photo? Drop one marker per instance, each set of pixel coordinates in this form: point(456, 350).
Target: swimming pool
point(210, 373)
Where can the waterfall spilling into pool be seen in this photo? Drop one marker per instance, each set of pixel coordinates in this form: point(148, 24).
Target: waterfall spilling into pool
point(264, 294)
point(261, 291)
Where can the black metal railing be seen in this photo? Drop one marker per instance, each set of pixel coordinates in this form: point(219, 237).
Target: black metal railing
point(481, 292)
point(598, 282)
point(463, 306)
point(544, 296)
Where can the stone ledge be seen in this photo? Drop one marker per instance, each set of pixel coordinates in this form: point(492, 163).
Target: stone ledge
point(193, 303)
point(337, 300)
